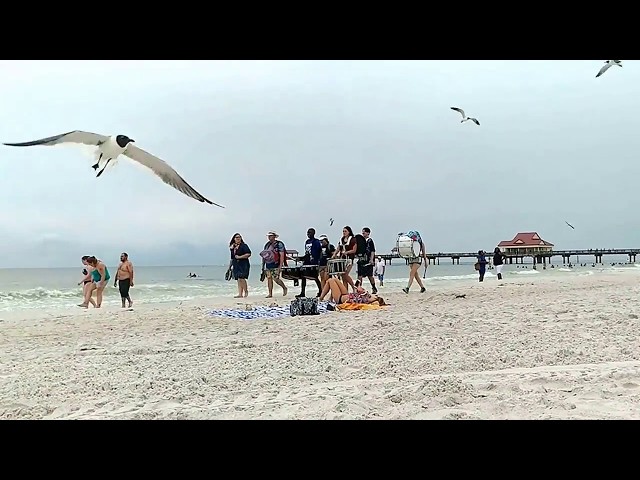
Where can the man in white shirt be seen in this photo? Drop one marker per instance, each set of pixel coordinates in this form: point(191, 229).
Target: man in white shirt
point(380, 266)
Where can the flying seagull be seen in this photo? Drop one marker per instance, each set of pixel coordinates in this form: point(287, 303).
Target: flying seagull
point(110, 148)
point(607, 65)
point(464, 117)
point(569, 224)
point(331, 222)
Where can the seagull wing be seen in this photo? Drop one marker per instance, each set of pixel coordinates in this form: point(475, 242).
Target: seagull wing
point(77, 136)
point(459, 110)
point(603, 69)
point(474, 120)
point(165, 172)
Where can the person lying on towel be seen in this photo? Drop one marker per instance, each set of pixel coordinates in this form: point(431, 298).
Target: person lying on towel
point(340, 294)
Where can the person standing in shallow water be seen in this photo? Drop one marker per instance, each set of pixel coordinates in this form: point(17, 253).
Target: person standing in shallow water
point(86, 282)
point(100, 276)
point(124, 278)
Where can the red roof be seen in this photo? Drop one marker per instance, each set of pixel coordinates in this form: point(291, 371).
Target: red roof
point(527, 239)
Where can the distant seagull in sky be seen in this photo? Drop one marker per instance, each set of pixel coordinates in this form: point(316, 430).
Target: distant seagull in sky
point(110, 148)
point(464, 117)
point(607, 65)
point(331, 222)
point(569, 224)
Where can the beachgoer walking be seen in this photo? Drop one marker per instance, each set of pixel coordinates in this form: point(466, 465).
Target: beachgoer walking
point(498, 261)
point(86, 280)
point(365, 265)
point(273, 258)
point(380, 268)
point(327, 252)
point(239, 263)
point(347, 249)
point(124, 278)
point(312, 254)
point(100, 276)
point(481, 265)
point(415, 262)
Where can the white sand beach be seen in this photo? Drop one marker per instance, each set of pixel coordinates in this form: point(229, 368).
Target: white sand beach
point(532, 348)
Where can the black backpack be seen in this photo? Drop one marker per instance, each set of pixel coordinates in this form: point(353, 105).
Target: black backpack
point(304, 306)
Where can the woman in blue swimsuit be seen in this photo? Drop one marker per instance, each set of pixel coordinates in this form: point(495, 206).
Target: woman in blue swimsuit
point(100, 276)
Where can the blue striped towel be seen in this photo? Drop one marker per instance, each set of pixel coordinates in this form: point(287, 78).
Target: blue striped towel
point(260, 312)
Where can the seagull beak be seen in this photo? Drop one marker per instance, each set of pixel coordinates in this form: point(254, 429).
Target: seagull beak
point(132, 140)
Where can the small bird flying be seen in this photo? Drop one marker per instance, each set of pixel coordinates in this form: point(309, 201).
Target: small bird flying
point(331, 222)
point(109, 148)
point(608, 65)
point(569, 224)
point(464, 116)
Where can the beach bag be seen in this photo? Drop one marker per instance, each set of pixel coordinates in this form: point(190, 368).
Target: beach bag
point(477, 266)
point(304, 306)
point(269, 255)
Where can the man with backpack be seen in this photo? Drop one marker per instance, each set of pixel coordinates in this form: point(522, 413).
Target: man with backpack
point(274, 256)
point(366, 260)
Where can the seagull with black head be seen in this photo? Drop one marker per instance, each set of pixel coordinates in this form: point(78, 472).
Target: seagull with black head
point(109, 148)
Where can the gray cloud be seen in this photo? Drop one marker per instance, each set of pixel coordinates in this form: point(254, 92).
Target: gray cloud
point(286, 145)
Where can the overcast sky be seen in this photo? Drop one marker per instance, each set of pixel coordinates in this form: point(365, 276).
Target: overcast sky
point(286, 145)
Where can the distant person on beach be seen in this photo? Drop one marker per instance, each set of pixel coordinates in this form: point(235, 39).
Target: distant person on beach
point(100, 276)
point(326, 253)
point(312, 254)
point(498, 261)
point(347, 249)
point(124, 278)
point(273, 259)
point(380, 267)
point(340, 294)
point(239, 264)
point(415, 262)
point(365, 265)
point(86, 281)
point(481, 265)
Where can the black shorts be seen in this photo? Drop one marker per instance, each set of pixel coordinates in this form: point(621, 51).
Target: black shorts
point(365, 270)
point(124, 286)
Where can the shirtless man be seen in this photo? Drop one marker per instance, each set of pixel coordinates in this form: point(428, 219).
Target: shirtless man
point(124, 278)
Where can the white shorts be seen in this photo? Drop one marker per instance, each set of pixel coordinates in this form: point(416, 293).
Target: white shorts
point(499, 269)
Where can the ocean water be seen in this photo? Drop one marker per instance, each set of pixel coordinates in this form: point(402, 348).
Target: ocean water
point(57, 288)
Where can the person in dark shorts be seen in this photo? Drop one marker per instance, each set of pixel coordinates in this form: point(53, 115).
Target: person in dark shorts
point(327, 252)
point(365, 264)
point(312, 254)
point(124, 278)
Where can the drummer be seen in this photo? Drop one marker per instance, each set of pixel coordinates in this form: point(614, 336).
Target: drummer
point(347, 249)
point(327, 252)
point(312, 254)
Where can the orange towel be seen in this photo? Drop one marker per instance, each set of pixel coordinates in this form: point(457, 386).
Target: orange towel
point(359, 306)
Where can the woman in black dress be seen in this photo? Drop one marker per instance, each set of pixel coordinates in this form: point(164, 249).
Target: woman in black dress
point(239, 264)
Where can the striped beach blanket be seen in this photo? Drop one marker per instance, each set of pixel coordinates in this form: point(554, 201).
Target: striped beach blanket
point(260, 312)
